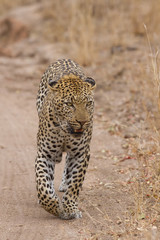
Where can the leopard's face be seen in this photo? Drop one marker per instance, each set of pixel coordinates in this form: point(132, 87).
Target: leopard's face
point(73, 105)
point(74, 114)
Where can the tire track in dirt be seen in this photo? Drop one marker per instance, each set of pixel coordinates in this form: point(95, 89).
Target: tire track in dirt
point(17, 175)
point(17, 131)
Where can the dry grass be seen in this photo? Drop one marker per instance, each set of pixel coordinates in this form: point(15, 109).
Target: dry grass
point(82, 31)
point(87, 27)
point(76, 25)
point(146, 13)
point(6, 5)
point(145, 215)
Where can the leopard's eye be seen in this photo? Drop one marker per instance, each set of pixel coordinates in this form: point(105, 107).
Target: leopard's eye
point(69, 104)
point(89, 104)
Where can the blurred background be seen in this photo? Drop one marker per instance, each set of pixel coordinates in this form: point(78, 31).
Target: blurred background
point(117, 43)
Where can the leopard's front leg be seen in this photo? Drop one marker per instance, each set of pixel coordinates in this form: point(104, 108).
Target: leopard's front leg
point(77, 164)
point(45, 186)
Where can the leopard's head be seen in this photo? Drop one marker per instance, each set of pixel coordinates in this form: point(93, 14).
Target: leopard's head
point(73, 103)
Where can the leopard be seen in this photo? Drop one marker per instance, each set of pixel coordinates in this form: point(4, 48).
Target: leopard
point(65, 106)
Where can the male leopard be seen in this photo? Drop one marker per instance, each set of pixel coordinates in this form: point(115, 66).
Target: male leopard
point(65, 107)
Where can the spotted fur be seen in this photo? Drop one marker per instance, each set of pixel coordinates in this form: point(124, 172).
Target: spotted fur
point(65, 107)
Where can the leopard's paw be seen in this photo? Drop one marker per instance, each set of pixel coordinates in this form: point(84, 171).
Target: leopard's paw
point(67, 216)
point(62, 187)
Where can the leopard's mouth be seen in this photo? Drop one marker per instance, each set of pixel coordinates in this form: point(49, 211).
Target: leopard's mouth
point(76, 132)
point(79, 130)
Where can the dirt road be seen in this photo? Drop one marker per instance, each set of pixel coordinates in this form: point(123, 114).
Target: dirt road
point(102, 200)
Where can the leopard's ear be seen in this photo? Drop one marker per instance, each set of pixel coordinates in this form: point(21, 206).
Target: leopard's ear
point(91, 81)
point(52, 84)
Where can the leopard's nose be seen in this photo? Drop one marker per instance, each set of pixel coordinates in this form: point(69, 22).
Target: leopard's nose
point(81, 123)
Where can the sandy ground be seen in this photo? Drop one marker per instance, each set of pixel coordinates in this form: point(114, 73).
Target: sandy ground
point(105, 198)
point(102, 200)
